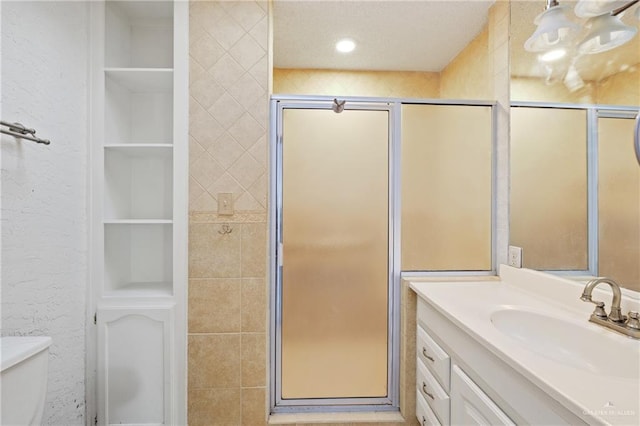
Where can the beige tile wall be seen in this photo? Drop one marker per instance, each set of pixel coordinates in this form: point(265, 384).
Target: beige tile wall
point(228, 153)
point(498, 44)
point(228, 144)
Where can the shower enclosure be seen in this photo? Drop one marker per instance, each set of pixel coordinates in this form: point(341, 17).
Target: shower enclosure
point(335, 236)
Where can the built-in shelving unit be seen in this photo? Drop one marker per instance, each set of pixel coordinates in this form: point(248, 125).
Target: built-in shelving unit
point(139, 219)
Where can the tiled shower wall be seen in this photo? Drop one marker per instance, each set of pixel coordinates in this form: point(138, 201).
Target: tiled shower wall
point(227, 254)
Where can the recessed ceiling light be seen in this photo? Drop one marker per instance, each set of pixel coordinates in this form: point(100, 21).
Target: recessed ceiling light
point(345, 45)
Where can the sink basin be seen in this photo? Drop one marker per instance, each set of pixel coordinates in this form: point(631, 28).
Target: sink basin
point(569, 343)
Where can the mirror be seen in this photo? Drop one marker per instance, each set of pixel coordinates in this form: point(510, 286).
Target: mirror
point(606, 78)
point(404, 49)
point(552, 155)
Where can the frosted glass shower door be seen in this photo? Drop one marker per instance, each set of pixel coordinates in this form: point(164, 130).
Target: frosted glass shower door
point(618, 203)
point(335, 260)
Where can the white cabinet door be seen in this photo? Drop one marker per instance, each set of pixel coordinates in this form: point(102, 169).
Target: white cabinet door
point(470, 405)
point(135, 364)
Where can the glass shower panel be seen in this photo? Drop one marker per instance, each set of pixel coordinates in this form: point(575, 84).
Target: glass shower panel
point(335, 259)
point(548, 216)
point(446, 188)
point(618, 203)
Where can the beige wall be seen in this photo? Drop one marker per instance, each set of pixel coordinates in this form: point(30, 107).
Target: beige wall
point(468, 76)
point(622, 88)
point(228, 153)
point(356, 83)
point(228, 144)
point(537, 90)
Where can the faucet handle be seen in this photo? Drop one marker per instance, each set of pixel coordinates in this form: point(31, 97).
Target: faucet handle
point(599, 310)
point(633, 321)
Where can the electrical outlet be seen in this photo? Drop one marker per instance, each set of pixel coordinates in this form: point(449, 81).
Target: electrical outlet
point(225, 203)
point(515, 256)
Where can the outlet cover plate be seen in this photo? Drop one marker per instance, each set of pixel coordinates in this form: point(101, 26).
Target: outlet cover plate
point(515, 256)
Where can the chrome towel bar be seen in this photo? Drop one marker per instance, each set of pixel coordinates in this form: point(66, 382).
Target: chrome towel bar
point(20, 131)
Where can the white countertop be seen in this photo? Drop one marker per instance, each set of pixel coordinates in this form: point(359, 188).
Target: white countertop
point(596, 398)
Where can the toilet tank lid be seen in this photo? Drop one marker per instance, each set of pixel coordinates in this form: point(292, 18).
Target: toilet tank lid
point(15, 349)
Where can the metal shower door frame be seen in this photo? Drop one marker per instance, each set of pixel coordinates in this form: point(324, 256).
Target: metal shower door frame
point(391, 401)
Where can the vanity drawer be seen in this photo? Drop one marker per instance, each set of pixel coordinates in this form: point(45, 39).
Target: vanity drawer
point(430, 390)
point(434, 357)
point(424, 413)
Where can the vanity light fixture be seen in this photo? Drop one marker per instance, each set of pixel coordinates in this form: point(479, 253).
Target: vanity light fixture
point(345, 45)
point(606, 32)
point(591, 8)
point(605, 29)
point(555, 29)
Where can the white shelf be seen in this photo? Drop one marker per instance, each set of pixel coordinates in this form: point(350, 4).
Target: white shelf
point(143, 289)
point(137, 221)
point(135, 146)
point(159, 150)
point(138, 256)
point(139, 34)
point(138, 184)
point(142, 80)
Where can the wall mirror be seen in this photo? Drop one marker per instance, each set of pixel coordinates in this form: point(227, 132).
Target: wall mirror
point(575, 181)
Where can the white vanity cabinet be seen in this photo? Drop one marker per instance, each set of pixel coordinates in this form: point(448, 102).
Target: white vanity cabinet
point(139, 211)
point(445, 395)
point(469, 384)
point(470, 405)
point(135, 368)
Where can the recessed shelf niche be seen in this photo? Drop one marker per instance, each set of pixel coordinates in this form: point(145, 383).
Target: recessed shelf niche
point(138, 182)
point(138, 259)
point(139, 34)
point(138, 113)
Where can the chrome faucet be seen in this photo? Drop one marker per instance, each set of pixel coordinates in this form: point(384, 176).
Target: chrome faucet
point(615, 320)
point(616, 313)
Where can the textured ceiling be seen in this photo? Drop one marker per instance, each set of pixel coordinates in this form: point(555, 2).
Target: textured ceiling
point(391, 35)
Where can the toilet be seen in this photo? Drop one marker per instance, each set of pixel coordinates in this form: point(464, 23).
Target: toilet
point(23, 379)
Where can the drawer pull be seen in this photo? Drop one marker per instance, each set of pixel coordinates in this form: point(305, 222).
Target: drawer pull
point(424, 389)
point(424, 353)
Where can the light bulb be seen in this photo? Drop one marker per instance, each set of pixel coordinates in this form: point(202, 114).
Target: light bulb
point(553, 55)
point(345, 45)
